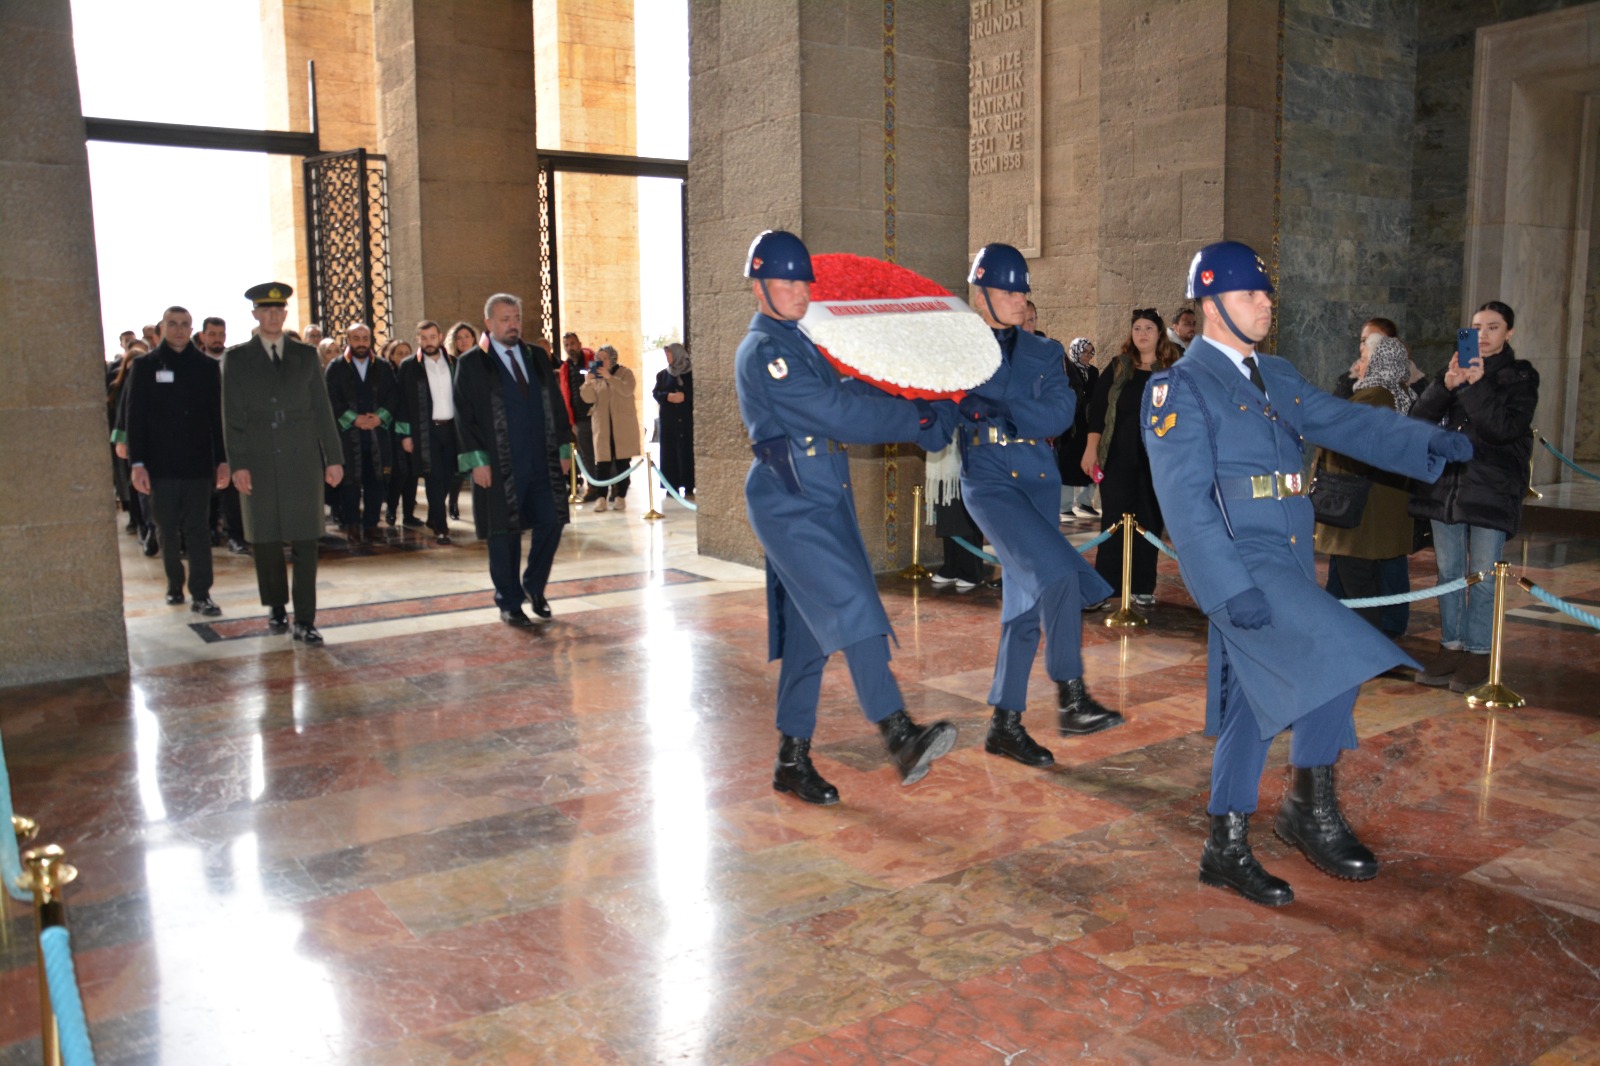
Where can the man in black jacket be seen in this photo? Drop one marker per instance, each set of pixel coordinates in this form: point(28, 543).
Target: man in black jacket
point(361, 390)
point(516, 442)
point(427, 425)
point(175, 448)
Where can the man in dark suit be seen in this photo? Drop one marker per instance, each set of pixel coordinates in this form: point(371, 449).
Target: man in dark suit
point(427, 426)
point(283, 444)
point(361, 390)
point(175, 448)
point(516, 442)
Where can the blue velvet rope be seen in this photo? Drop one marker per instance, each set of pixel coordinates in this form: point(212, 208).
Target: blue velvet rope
point(662, 481)
point(10, 859)
point(1569, 462)
point(1560, 604)
point(595, 482)
point(1082, 548)
point(65, 1001)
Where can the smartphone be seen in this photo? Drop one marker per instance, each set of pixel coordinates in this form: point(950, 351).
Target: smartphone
point(1467, 348)
point(1097, 475)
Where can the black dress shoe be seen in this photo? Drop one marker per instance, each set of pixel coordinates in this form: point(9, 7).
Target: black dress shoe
point(793, 772)
point(455, 512)
point(353, 534)
point(152, 546)
point(412, 521)
point(540, 605)
point(513, 616)
point(1228, 862)
point(389, 519)
point(1079, 713)
point(912, 747)
point(204, 606)
point(174, 598)
point(1310, 820)
point(237, 546)
point(306, 633)
point(442, 538)
point(1007, 737)
point(277, 620)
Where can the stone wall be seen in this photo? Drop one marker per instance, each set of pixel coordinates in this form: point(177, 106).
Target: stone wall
point(60, 581)
point(1348, 102)
point(455, 81)
point(337, 34)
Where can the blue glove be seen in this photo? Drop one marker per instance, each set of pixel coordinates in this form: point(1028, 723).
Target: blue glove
point(1250, 609)
point(1450, 446)
point(975, 408)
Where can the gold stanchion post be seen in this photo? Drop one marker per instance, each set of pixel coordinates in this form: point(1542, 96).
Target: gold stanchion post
point(573, 496)
point(651, 515)
point(916, 571)
point(45, 874)
point(1126, 616)
point(1492, 693)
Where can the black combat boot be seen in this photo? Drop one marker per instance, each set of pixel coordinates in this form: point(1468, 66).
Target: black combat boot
point(1080, 713)
point(793, 772)
point(1228, 862)
point(913, 747)
point(1007, 737)
point(1310, 820)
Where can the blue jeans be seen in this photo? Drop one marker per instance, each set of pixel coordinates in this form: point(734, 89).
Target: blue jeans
point(1466, 618)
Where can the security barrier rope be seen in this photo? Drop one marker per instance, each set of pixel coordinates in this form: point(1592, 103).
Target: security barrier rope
point(1558, 603)
point(10, 859)
point(595, 482)
point(661, 480)
point(1551, 449)
point(1083, 548)
point(65, 1000)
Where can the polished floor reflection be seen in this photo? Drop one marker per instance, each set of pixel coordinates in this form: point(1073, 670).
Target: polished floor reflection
point(441, 840)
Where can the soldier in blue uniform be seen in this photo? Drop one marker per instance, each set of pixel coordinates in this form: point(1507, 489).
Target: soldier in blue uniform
point(821, 596)
point(1226, 430)
point(1012, 485)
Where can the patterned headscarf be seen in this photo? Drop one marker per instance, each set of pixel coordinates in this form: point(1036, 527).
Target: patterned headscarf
point(1079, 346)
point(1388, 367)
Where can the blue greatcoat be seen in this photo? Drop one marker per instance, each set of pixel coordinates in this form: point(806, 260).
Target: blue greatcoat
point(1208, 430)
point(815, 554)
point(1014, 490)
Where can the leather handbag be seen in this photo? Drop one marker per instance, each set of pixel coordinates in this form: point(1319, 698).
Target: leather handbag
point(1339, 499)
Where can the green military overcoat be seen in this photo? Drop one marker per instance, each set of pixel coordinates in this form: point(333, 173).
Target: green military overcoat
point(277, 423)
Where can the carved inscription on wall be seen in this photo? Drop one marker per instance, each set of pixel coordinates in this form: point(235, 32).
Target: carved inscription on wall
point(1003, 149)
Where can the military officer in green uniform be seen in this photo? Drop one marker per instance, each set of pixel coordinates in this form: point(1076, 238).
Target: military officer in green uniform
point(282, 444)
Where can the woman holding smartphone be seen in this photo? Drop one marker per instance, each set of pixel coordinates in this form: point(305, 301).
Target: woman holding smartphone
point(1489, 394)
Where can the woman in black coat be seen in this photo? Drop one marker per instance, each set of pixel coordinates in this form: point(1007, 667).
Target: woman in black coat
point(674, 391)
point(1476, 505)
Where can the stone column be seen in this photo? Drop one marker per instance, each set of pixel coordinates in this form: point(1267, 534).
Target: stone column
point(60, 581)
point(587, 103)
point(1187, 110)
point(787, 130)
point(456, 121)
point(338, 35)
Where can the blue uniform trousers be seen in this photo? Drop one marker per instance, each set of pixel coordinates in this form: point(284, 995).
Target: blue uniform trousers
point(1241, 752)
point(800, 676)
point(538, 517)
point(1060, 614)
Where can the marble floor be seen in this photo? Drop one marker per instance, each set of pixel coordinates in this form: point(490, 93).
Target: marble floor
point(441, 840)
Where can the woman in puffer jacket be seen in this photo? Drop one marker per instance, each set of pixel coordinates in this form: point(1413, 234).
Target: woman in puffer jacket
point(1476, 505)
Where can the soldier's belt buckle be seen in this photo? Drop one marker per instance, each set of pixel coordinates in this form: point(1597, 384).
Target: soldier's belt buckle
point(1276, 486)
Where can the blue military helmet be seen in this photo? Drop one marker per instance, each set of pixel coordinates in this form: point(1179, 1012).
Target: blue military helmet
point(1227, 266)
point(999, 266)
point(780, 255)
